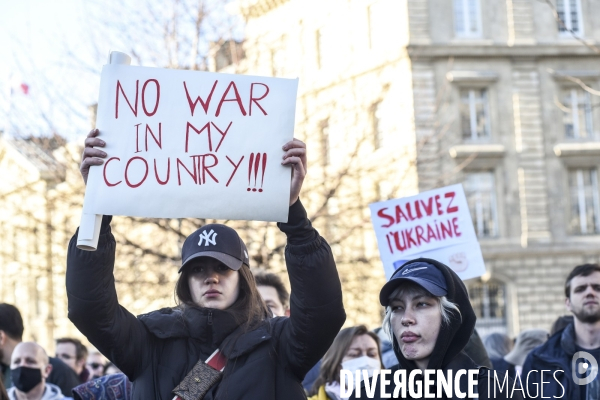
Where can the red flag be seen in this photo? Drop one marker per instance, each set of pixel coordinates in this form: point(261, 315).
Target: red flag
point(24, 88)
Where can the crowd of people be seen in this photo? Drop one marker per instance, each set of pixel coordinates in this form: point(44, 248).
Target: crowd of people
point(239, 334)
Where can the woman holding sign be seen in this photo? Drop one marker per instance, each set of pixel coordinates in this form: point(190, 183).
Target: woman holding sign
point(429, 319)
point(220, 343)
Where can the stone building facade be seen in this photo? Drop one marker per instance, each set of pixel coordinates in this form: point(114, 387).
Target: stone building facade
point(497, 95)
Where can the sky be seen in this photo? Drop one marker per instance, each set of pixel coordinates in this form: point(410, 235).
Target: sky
point(57, 48)
point(36, 37)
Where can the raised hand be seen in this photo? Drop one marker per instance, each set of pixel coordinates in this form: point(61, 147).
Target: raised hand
point(295, 155)
point(91, 156)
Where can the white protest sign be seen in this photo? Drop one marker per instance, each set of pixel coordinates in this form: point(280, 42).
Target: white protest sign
point(434, 224)
point(192, 144)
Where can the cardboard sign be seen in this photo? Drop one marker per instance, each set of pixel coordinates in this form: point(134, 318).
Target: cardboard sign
point(192, 144)
point(435, 224)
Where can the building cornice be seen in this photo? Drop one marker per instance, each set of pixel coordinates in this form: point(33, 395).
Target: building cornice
point(417, 51)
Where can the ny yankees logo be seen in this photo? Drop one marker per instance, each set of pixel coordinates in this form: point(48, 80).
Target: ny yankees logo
point(206, 237)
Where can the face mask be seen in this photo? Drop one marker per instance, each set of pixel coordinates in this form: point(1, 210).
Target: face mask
point(362, 363)
point(25, 378)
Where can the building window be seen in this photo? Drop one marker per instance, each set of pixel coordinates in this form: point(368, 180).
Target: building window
point(569, 13)
point(376, 126)
point(481, 196)
point(489, 303)
point(467, 18)
point(474, 114)
point(324, 139)
point(585, 201)
point(577, 113)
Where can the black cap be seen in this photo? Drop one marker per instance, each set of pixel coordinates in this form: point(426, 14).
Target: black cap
point(424, 274)
point(215, 241)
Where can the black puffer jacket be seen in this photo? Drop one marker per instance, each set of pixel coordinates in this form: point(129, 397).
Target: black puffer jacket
point(158, 349)
point(448, 354)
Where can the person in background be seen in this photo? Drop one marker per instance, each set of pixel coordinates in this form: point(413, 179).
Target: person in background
point(273, 292)
point(561, 323)
point(11, 334)
point(29, 368)
point(95, 364)
point(513, 362)
point(497, 345)
point(582, 298)
point(73, 353)
point(354, 348)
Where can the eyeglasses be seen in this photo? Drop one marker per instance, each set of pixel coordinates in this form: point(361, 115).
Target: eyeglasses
point(95, 365)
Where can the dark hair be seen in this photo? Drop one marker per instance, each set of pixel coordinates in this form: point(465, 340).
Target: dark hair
point(3, 394)
point(332, 360)
point(561, 323)
point(11, 321)
point(81, 352)
point(580, 270)
point(249, 309)
point(270, 279)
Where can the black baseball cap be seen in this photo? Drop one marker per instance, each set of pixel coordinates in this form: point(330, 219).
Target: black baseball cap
point(215, 241)
point(426, 275)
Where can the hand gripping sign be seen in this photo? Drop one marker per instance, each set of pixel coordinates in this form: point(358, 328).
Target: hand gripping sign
point(192, 144)
point(435, 224)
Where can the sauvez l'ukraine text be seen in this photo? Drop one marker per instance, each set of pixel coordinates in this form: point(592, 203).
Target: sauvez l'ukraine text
point(402, 239)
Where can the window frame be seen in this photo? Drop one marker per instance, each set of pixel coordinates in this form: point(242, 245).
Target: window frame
point(485, 323)
point(581, 201)
point(466, 33)
point(478, 224)
point(473, 113)
point(568, 23)
point(588, 118)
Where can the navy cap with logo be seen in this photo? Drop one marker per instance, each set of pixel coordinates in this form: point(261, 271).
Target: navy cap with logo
point(215, 241)
point(426, 275)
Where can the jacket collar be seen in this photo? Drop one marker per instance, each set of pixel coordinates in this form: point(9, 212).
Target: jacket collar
point(567, 339)
point(207, 325)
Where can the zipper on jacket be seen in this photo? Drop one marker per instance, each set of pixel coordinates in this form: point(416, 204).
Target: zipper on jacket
point(210, 322)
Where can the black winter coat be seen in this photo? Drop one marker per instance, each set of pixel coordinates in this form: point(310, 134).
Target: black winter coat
point(157, 350)
point(555, 358)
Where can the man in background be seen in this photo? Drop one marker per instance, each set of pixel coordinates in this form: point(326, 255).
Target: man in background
point(582, 292)
point(29, 369)
point(73, 353)
point(274, 293)
point(11, 334)
point(95, 364)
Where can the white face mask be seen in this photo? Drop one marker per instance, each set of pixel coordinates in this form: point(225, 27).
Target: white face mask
point(362, 363)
